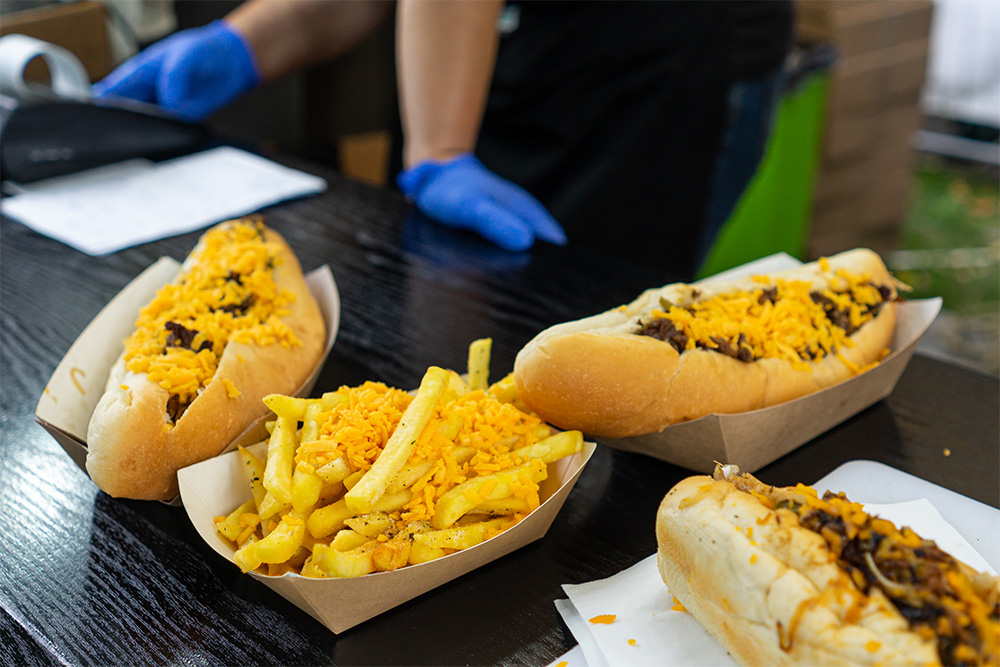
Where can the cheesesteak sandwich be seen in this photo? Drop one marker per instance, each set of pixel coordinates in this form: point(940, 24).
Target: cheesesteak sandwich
point(781, 576)
point(682, 351)
point(238, 323)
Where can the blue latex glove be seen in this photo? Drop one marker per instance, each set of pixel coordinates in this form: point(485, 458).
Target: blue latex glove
point(192, 73)
point(462, 193)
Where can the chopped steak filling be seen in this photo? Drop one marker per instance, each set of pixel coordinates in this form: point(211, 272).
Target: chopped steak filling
point(786, 320)
point(941, 599)
point(228, 294)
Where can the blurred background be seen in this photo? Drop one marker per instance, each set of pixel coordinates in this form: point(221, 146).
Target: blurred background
point(887, 136)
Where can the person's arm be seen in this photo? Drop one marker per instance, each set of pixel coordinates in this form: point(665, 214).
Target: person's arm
point(196, 72)
point(290, 35)
point(445, 56)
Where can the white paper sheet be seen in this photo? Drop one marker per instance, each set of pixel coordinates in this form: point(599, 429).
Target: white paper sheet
point(642, 604)
point(118, 206)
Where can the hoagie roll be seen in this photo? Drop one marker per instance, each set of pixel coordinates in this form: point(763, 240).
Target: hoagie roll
point(781, 576)
point(236, 324)
point(682, 351)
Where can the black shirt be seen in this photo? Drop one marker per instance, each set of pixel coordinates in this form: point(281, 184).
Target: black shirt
point(762, 35)
point(611, 113)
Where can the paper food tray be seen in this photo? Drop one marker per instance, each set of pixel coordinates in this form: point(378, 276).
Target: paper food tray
point(215, 487)
point(753, 439)
point(77, 383)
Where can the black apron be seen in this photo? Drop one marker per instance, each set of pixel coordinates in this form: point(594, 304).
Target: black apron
point(610, 113)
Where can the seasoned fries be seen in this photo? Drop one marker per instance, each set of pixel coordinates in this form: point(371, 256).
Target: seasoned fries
point(372, 478)
point(479, 363)
point(280, 451)
point(403, 441)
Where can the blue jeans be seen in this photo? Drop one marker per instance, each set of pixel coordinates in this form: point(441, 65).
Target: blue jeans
point(749, 119)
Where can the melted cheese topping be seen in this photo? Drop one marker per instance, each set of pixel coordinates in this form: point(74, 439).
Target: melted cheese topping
point(227, 294)
point(781, 319)
point(918, 576)
point(940, 599)
point(360, 425)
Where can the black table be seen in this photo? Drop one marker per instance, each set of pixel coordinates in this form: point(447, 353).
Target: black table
point(86, 579)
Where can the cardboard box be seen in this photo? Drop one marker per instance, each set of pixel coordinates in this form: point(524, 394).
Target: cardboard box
point(849, 137)
point(77, 384)
point(896, 126)
point(882, 237)
point(905, 76)
point(887, 203)
point(365, 156)
point(874, 188)
point(836, 213)
point(835, 236)
point(214, 487)
point(888, 196)
point(78, 27)
point(852, 137)
point(884, 77)
point(860, 27)
point(838, 182)
point(753, 439)
point(862, 191)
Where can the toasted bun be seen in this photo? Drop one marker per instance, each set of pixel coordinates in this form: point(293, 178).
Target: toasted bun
point(769, 590)
point(131, 453)
point(598, 376)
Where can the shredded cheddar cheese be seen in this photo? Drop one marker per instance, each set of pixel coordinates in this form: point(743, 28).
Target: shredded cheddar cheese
point(603, 619)
point(231, 389)
point(227, 295)
point(360, 425)
point(940, 599)
point(782, 319)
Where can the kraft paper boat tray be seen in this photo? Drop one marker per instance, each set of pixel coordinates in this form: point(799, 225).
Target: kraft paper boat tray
point(77, 383)
point(215, 487)
point(753, 439)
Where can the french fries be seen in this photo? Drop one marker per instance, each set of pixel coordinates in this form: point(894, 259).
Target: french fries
point(401, 444)
point(371, 478)
point(479, 363)
point(280, 452)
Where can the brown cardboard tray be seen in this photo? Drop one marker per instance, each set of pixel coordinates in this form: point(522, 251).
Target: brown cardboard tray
point(214, 487)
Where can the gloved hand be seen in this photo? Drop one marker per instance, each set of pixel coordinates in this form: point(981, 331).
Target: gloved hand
point(462, 193)
point(192, 73)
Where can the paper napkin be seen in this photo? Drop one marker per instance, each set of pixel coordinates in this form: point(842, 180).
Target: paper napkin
point(113, 207)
